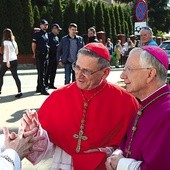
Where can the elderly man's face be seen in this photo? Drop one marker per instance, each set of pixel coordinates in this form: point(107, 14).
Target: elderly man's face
point(89, 73)
point(145, 36)
point(135, 76)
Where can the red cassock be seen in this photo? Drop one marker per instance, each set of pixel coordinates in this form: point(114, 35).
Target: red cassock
point(106, 120)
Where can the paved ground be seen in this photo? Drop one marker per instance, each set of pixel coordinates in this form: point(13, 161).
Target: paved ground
point(11, 109)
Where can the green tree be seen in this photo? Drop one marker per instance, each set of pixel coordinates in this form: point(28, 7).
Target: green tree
point(36, 16)
point(28, 21)
point(129, 28)
point(99, 19)
point(113, 24)
point(122, 19)
point(158, 11)
point(4, 17)
point(89, 15)
point(126, 29)
point(107, 22)
point(15, 18)
point(57, 12)
point(117, 18)
point(81, 20)
point(70, 15)
point(45, 13)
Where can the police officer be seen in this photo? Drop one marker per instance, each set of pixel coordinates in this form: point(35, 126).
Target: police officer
point(40, 53)
point(53, 44)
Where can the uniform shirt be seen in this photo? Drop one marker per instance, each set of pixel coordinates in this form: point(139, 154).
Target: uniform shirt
point(41, 40)
point(53, 43)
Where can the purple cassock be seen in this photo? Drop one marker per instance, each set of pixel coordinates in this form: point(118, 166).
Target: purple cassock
point(151, 140)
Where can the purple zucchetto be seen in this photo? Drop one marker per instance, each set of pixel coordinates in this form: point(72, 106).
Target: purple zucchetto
point(158, 53)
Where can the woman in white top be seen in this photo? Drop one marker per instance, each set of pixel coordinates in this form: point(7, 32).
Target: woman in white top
point(10, 51)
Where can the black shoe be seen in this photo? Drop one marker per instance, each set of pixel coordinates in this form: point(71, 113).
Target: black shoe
point(44, 93)
point(38, 91)
point(18, 95)
point(52, 87)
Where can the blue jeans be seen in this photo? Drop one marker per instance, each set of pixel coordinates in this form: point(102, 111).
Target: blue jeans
point(68, 72)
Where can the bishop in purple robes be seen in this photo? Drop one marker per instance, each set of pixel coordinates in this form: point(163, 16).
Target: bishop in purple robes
point(146, 145)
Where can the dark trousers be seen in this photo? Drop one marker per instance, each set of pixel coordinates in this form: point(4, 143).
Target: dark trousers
point(41, 64)
point(13, 70)
point(51, 71)
point(68, 72)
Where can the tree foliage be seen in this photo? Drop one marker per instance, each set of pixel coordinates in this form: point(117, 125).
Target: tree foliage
point(36, 16)
point(57, 12)
point(89, 15)
point(81, 20)
point(107, 21)
point(28, 22)
point(99, 19)
point(114, 19)
point(117, 18)
point(70, 15)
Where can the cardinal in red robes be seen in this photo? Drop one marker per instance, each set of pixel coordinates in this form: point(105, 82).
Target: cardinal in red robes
point(86, 120)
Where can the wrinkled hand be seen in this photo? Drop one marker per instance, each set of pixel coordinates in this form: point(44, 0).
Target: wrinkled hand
point(23, 146)
point(112, 162)
point(29, 120)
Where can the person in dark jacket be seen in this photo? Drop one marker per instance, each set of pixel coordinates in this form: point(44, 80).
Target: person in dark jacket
point(67, 51)
point(40, 53)
point(92, 35)
point(52, 66)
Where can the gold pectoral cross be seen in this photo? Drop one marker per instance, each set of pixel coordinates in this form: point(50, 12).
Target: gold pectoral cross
point(80, 137)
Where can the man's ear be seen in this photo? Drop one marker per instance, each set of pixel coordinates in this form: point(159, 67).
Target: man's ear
point(151, 74)
point(106, 72)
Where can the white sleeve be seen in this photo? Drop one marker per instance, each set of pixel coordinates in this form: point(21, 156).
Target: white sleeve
point(128, 164)
point(10, 160)
point(2, 139)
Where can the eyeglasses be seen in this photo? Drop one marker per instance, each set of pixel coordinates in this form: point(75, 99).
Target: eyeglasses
point(84, 71)
point(128, 69)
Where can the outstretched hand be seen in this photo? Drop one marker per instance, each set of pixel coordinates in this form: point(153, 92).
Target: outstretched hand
point(29, 120)
point(23, 146)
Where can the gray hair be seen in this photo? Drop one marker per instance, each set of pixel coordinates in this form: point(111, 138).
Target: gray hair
point(148, 29)
point(101, 61)
point(147, 60)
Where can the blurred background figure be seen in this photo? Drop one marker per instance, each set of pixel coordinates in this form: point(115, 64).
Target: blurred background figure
point(40, 51)
point(146, 37)
point(67, 51)
point(52, 66)
point(10, 62)
point(92, 35)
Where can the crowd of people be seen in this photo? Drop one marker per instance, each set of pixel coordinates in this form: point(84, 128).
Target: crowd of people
point(83, 124)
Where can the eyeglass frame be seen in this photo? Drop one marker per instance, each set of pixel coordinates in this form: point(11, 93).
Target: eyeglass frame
point(128, 69)
point(83, 70)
